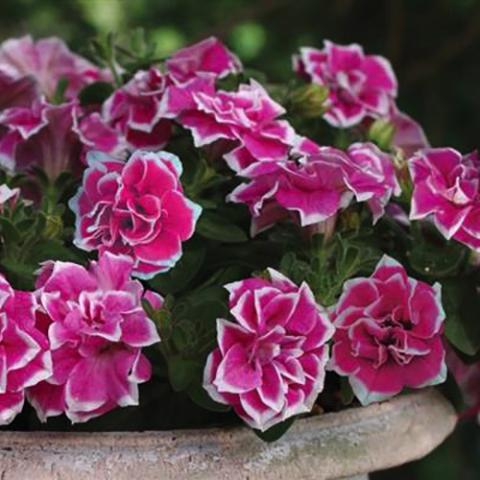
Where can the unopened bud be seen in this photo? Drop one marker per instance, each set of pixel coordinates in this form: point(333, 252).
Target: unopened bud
point(309, 100)
point(53, 227)
point(381, 132)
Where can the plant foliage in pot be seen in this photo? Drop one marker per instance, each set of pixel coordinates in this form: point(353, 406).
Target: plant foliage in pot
point(186, 245)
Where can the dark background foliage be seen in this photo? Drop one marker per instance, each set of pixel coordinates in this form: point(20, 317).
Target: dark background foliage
point(433, 45)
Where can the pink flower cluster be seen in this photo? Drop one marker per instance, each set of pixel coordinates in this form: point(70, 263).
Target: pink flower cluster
point(74, 345)
point(269, 364)
point(446, 189)
point(388, 333)
point(208, 57)
point(46, 61)
point(137, 115)
point(24, 350)
point(96, 328)
point(359, 85)
point(318, 185)
point(40, 135)
point(248, 117)
point(140, 114)
point(361, 88)
point(33, 131)
point(135, 208)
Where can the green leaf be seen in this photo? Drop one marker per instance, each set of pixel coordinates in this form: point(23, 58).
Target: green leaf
point(95, 93)
point(59, 95)
point(199, 395)
point(53, 249)
point(433, 257)
point(346, 392)
point(217, 227)
point(181, 372)
point(8, 231)
point(20, 275)
point(228, 83)
point(295, 269)
point(275, 432)
point(184, 271)
point(462, 306)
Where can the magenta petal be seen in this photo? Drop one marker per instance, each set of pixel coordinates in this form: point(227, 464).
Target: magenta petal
point(305, 313)
point(138, 330)
point(11, 405)
point(164, 250)
point(235, 374)
point(47, 399)
point(181, 214)
point(94, 382)
point(271, 391)
point(256, 413)
point(229, 334)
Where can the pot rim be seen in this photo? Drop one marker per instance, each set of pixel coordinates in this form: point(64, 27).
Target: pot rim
point(353, 441)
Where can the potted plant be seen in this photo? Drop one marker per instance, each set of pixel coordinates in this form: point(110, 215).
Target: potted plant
point(187, 247)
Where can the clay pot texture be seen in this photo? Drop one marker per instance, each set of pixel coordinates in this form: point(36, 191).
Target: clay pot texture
point(350, 443)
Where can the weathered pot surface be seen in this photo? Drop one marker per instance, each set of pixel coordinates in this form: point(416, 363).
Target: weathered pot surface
point(350, 443)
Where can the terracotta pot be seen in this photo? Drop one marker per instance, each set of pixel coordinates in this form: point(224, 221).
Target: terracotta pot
point(337, 445)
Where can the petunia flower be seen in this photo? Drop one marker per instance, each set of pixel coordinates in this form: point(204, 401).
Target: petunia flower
point(315, 187)
point(97, 328)
point(360, 85)
point(248, 118)
point(270, 361)
point(40, 135)
point(446, 189)
point(48, 61)
point(135, 208)
point(388, 333)
point(208, 56)
point(24, 350)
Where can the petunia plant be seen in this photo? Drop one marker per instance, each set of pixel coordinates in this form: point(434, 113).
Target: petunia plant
point(184, 238)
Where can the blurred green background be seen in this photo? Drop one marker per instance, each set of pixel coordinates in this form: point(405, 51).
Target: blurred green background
point(433, 44)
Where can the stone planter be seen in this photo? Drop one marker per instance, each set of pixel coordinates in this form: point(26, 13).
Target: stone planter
point(337, 445)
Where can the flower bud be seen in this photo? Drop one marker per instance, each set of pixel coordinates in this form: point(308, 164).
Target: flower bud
point(309, 100)
point(53, 227)
point(381, 132)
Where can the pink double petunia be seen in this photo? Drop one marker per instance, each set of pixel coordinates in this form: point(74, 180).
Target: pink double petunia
point(370, 175)
point(248, 118)
point(446, 189)
point(96, 327)
point(270, 361)
point(47, 61)
point(318, 185)
point(388, 333)
point(140, 114)
point(311, 190)
point(209, 56)
point(40, 135)
point(132, 117)
point(135, 208)
point(25, 358)
point(360, 85)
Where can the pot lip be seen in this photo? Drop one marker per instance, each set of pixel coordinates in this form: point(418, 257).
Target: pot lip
point(350, 416)
point(334, 445)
